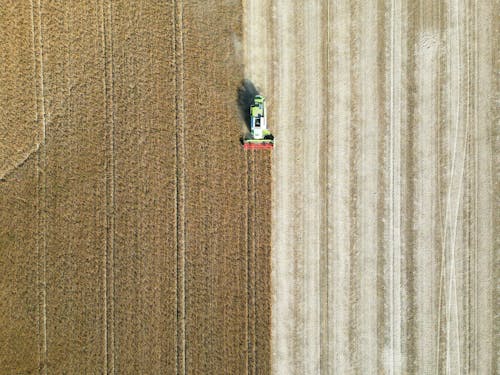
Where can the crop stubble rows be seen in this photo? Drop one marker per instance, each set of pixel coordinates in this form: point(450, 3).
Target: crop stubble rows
point(408, 241)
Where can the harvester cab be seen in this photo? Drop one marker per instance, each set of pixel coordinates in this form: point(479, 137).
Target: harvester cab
point(260, 137)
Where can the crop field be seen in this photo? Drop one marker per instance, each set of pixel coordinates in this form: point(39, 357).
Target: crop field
point(133, 239)
point(137, 237)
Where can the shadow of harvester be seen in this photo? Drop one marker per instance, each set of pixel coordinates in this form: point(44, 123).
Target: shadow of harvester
point(246, 94)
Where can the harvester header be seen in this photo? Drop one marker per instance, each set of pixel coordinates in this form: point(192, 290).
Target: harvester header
point(260, 137)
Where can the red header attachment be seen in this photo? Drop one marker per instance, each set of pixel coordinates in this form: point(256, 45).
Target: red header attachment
point(258, 146)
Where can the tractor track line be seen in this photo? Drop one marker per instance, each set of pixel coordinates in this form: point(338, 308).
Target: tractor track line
point(108, 267)
point(41, 178)
point(180, 186)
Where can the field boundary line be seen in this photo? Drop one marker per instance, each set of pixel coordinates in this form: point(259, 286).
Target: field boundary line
point(248, 225)
point(254, 263)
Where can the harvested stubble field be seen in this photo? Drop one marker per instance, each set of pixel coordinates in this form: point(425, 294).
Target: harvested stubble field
point(132, 238)
point(385, 208)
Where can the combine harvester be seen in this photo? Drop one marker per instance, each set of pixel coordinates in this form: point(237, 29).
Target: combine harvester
point(260, 137)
